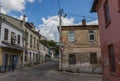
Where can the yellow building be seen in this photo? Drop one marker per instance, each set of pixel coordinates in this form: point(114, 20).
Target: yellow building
point(31, 44)
point(81, 48)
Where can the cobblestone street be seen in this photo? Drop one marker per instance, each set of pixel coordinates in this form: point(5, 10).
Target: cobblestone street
point(47, 72)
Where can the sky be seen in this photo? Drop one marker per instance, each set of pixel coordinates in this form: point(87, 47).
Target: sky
point(44, 13)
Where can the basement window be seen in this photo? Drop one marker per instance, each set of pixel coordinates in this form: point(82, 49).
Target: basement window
point(72, 59)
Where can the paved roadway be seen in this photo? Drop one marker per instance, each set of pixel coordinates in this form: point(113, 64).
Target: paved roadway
point(47, 72)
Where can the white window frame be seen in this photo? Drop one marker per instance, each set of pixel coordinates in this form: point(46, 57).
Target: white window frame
point(71, 36)
point(91, 33)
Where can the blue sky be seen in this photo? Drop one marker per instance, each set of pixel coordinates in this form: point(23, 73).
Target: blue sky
point(41, 11)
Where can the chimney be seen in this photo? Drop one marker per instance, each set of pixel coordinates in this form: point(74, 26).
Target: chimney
point(83, 21)
point(24, 17)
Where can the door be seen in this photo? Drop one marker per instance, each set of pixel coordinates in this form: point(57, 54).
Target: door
point(5, 62)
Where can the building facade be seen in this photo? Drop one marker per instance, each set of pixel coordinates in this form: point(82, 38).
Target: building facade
point(11, 45)
point(81, 48)
point(31, 44)
point(109, 17)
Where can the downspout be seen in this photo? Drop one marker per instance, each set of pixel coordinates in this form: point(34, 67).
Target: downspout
point(23, 26)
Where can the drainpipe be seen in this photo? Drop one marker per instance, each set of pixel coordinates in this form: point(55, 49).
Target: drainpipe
point(23, 26)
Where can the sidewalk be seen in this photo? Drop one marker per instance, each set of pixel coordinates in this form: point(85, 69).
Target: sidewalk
point(4, 74)
point(8, 73)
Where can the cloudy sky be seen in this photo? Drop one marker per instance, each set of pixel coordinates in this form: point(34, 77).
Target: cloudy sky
point(44, 13)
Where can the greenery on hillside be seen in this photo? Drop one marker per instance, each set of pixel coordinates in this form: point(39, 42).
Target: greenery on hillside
point(51, 44)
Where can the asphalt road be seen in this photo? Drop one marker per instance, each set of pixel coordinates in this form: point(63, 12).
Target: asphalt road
point(47, 72)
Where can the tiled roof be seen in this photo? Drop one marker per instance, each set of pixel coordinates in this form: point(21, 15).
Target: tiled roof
point(14, 21)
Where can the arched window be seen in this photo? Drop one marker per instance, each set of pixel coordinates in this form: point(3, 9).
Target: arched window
point(91, 35)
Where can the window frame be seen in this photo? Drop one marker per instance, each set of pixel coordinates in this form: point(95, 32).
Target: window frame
point(31, 40)
point(93, 58)
point(118, 5)
point(107, 16)
point(71, 36)
point(18, 41)
point(6, 32)
point(89, 35)
point(72, 59)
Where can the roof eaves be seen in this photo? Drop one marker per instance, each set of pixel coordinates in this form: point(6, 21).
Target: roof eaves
point(94, 6)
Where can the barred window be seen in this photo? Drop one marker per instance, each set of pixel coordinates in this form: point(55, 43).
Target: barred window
point(72, 59)
point(93, 58)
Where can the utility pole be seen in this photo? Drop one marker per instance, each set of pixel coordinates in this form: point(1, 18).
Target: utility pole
point(60, 52)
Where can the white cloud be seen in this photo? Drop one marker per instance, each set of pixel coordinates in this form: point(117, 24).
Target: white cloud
point(14, 5)
point(93, 22)
point(21, 18)
point(2, 10)
point(49, 27)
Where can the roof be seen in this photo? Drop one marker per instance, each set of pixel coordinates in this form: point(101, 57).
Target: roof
point(79, 27)
point(94, 6)
point(29, 26)
point(14, 21)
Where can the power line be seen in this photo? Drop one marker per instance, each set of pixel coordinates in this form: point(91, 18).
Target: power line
point(58, 4)
point(53, 5)
point(81, 16)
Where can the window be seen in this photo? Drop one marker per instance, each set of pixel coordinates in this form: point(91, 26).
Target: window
point(106, 12)
point(13, 38)
point(25, 55)
point(30, 57)
point(71, 36)
point(111, 58)
point(26, 36)
point(18, 39)
point(6, 34)
point(31, 40)
point(37, 43)
point(119, 5)
point(72, 59)
point(93, 58)
point(34, 42)
point(91, 35)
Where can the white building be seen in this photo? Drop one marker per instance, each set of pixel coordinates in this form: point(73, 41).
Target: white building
point(11, 45)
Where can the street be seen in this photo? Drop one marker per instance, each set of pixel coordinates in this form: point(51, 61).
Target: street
point(47, 72)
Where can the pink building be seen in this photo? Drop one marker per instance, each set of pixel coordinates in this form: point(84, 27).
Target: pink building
point(109, 26)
